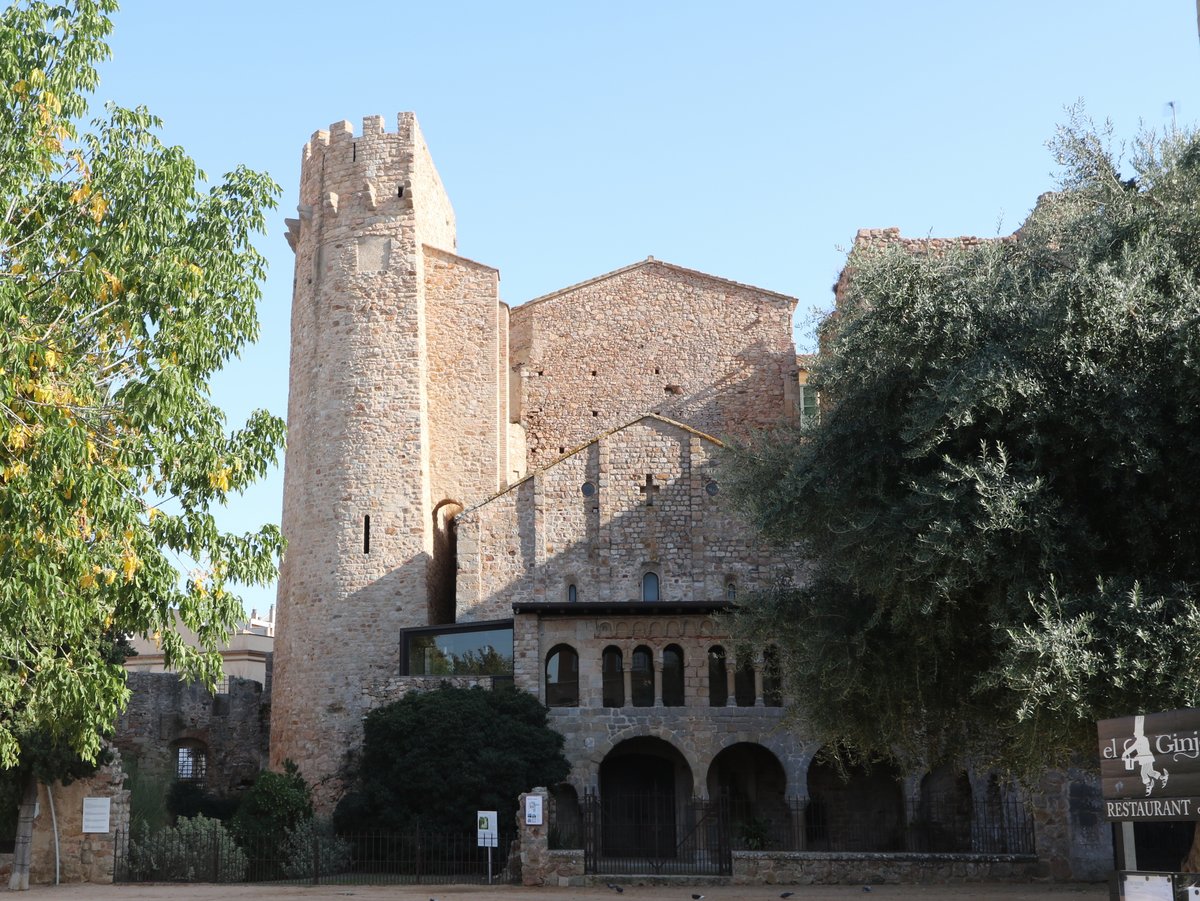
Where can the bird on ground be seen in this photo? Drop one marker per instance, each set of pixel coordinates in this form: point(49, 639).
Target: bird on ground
point(866, 888)
point(615, 888)
point(696, 897)
point(786, 894)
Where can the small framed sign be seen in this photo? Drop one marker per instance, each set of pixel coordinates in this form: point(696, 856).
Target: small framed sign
point(533, 810)
point(488, 829)
point(96, 814)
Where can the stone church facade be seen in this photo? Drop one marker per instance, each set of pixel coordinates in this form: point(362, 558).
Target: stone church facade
point(484, 493)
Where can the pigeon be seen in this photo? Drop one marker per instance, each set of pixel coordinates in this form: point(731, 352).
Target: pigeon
point(615, 888)
point(786, 894)
point(866, 888)
point(696, 897)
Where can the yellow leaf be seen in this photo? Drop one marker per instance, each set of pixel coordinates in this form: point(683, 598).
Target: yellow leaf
point(88, 581)
point(130, 564)
point(110, 575)
point(51, 359)
point(98, 206)
point(219, 479)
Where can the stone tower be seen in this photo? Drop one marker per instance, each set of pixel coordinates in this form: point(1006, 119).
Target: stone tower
point(397, 416)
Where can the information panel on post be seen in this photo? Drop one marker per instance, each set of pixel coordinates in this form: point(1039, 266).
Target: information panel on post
point(488, 829)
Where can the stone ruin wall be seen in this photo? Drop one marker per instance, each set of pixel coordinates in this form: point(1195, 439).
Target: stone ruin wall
point(164, 711)
point(712, 354)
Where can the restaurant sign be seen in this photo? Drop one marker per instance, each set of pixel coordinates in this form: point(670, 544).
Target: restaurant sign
point(1150, 766)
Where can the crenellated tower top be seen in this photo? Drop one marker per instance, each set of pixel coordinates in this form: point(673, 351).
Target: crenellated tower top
point(359, 180)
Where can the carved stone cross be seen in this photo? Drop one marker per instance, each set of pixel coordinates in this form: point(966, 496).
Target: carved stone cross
point(649, 489)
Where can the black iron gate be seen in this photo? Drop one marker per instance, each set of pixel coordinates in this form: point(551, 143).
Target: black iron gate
point(655, 834)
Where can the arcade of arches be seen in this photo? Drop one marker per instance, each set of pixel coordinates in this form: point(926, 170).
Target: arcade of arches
point(645, 784)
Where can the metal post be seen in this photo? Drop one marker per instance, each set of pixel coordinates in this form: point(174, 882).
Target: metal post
point(316, 848)
point(489, 864)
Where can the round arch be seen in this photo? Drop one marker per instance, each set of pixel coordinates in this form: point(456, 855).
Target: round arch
point(645, 783)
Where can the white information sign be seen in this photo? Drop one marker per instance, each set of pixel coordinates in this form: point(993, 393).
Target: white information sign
point(533, 810)
point(488, 829)
point(1139, 887)
point(1193, 891)
point(96, 813)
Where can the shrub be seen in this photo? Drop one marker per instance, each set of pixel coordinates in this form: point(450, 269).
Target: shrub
point(189, 799)
point(313, 846)
point(437, 757)
point(196, 849)
point(273, 807)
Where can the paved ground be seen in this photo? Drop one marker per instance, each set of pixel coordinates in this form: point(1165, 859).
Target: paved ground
point(977, 892)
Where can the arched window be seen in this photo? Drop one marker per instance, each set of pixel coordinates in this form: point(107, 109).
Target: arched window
point(572, 593)
point(642, 677)
point(672, 676)
point(772, 678)
point(743, 683)
point(718, 678)
point(613, 666)
point(730, 590)
point(562, 677)
point(650, 586)
point(191, 761)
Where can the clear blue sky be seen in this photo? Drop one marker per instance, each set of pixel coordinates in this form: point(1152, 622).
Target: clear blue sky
point(750, 140)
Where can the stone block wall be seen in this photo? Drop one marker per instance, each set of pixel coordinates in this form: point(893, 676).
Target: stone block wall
point(467, 409)
point(82, 857)
point(651, 337)
point(640, 498)
point(358, 425)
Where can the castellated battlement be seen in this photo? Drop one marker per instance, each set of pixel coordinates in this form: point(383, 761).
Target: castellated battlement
point(359, 180)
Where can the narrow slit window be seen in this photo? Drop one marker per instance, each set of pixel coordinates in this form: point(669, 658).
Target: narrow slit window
point(367, 534)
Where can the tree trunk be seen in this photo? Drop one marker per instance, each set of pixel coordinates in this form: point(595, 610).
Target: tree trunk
point(1191, 863)
point(23, 849)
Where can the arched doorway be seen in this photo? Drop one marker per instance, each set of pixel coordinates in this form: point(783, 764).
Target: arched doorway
point(750, 782)
point(443, 564)
point(854, 808)
point(644, 783)
point(945, 810)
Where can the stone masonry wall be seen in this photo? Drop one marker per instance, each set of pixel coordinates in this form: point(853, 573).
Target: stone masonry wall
point(164, 711)
point(358, 434)
point(534, 540)
point(696, 729)
point(82, 857)
point(462, 310)
point(710, 353)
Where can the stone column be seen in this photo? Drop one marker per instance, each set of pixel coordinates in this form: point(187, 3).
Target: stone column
point(658, 682)
point(758, 683)
point(730, 685)
point(627, 676)
point(534, 840)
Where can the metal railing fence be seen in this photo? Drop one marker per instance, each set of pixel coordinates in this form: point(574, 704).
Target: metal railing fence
point(204, 850)
point(659, 834)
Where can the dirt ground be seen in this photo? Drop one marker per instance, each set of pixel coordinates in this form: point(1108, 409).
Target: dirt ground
point(979, 892)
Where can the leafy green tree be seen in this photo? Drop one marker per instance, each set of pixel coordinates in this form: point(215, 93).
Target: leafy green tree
point(123, 287)
point(435, 758)
point(999, 498)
